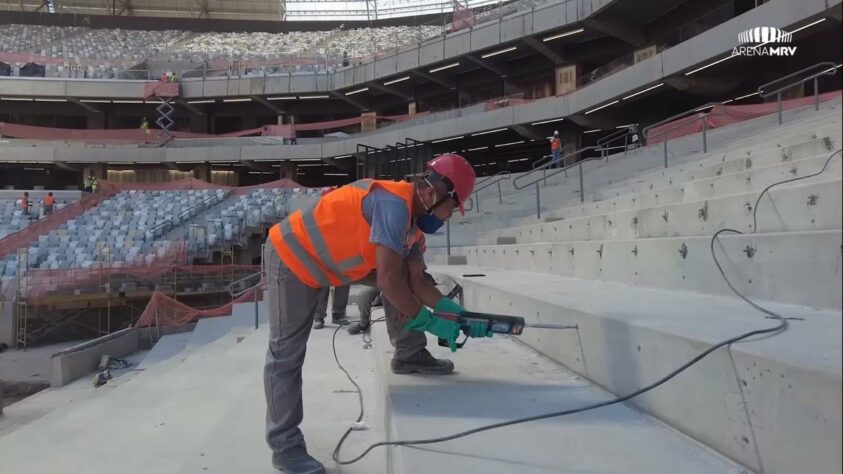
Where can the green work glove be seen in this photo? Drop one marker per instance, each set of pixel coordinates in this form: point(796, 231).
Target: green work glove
point(445, 305)
point(442, 328)
point(476, 329)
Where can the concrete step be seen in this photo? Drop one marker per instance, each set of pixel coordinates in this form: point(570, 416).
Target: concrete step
point(628, 177)
point(237, 444)
point(795, 207)
point(619, 169)
point(801, 268)
point(500, 379)
point(752, 180)
point(159, 411)
point(747, 183)
point(772, 403)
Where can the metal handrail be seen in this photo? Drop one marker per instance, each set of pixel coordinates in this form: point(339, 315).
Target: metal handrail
point(700, 116)
point(830, 70)
point(260, 285)
point(554, 173)
point(490, 180)
point(647, 129)
point(604, 142)
point(541, 161)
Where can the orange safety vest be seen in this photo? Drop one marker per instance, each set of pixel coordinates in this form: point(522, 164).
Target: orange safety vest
point(49, 200)
point(328, 244)
point(555, 144)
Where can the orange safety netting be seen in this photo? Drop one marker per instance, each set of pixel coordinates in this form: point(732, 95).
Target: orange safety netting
point(163, 311)
point(722, 115)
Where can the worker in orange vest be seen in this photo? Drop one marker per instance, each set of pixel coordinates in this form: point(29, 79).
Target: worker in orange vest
point(49, 201)
point(555, 149)
point(24, 203)
point(368, 226)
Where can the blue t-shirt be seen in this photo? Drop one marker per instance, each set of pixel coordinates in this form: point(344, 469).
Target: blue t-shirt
point(387, 214)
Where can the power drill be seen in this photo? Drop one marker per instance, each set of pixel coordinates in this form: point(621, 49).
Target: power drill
point(496, 323)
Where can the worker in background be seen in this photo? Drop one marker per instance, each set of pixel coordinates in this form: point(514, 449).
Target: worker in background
point(87, 184)
point(94, 184)
point(338, 304)
point(366, 226)
point(24, 203)
point(144, 124)
point(555, 149)
point(48, 202)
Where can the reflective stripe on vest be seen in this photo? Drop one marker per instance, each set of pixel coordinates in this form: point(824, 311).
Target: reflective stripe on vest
point(316, 266)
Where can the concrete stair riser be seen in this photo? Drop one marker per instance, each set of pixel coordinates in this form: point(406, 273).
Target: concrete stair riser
point(801, 268)
point(754, 180)
point(770, 413)
point(804, 207)
point(620, 170)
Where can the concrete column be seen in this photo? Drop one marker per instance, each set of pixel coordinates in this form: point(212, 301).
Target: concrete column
point(203, 172)
point(198, 123)
point(287, 170)
point(96, 121)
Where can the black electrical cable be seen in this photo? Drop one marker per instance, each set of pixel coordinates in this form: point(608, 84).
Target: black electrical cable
point(780, 327)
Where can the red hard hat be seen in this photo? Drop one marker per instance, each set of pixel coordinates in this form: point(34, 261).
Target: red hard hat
point(459, 171)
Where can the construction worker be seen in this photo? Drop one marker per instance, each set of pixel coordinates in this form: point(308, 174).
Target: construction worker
point(94, 185)
point(555, 149)
point(48, 202)
point(338, 305)
point(366, 226)
point(24, 203)
point(144, 124)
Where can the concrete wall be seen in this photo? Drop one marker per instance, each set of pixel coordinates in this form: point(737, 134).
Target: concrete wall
point(78, 361)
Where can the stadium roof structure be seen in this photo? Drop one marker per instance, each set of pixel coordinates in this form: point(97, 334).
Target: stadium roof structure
point(207, 9)
point(266, 10)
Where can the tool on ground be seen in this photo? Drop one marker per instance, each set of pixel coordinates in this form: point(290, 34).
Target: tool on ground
point(496, 323)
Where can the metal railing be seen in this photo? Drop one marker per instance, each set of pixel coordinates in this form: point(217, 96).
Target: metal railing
point(605, 142)
point(489, 181)
point(545, 175)
point(700, 116)
point(260, 285)
point(827, 69)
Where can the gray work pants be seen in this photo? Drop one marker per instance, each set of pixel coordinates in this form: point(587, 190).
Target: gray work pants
point(292, 305)
point(406, 343)
point(337, 305)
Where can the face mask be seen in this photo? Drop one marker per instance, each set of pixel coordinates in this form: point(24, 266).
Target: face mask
point(429, 223)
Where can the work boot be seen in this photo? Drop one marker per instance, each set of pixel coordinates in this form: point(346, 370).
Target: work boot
point(357, 328)
point(339, 319)
point(297, 461)
point(422, 363)
point(318, 323)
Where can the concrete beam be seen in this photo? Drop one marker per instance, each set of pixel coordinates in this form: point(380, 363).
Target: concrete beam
point(192, 108)
point(542, 49)
point(389, 90)
point(349, 100)
point(274, 108)
point(450, 85)
point(617, 28)
point(486, 65)
point(88, 107)
point(528, 132)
